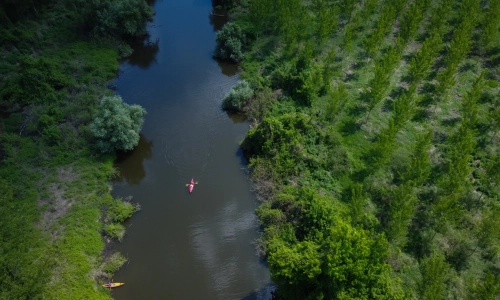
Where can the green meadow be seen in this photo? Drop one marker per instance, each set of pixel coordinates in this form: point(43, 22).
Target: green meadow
point(57, 215)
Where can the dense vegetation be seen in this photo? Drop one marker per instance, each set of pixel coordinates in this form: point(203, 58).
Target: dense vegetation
point(375, 145)
point(55, 59)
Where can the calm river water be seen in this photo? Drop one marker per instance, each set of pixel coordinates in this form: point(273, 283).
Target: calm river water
point(181, 245)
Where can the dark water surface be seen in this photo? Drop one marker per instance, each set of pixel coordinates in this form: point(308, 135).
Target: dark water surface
point(181, 245)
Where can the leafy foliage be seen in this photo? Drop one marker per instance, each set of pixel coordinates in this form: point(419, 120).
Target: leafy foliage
point(114, 18)
point(119, 211)
point(116, 125)
point(230, 42)
point(115, 230)
point(238, 96)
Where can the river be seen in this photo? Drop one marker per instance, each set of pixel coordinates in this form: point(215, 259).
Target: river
point(181, 245)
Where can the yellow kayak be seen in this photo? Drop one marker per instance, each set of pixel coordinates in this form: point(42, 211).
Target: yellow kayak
point(113, 284)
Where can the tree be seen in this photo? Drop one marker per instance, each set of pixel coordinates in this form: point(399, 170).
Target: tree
point(238, 96)
point(260, 14)
point(358, 202)
point(434, 271)
point(337, 100)
point(351, 265)
point(419, 169)
point(229, 43)
point(355, 266)
point(401, 209)
point(327, 19)
point(116, 125)
point(489, 289)
point(423, 61)
point(113, 18)
point(491, 21)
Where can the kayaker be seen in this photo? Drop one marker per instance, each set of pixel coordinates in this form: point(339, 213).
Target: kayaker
point(109, 284)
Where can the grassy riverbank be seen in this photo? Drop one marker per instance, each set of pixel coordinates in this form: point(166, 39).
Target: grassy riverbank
point(375, 144)
point(57, 215)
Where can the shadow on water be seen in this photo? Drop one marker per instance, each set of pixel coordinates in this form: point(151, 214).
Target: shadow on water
point(130, 164)
point(144, 54)
point(264, 293)
point(217, 17)
point(237, 118)
point(228, 68)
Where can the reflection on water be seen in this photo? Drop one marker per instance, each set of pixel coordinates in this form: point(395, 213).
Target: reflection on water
point(130, 164)
point(144, 54)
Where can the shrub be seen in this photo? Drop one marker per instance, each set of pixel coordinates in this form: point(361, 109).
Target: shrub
point(261, 104)
point(238, 96)
point(119, 211)
point(229, 43)
point(116, 125)
point(113, 263)
point(114, 230)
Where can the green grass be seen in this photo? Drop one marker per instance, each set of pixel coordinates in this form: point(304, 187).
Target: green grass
point(54, 190)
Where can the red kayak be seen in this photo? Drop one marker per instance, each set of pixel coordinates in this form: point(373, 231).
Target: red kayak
point(191, 186)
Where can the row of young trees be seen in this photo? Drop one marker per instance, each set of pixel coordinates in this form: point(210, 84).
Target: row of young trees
point(461, 145)
point(384, 66)
point(388, 15)
point(460, 44)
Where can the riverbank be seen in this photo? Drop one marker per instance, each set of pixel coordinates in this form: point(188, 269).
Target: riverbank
point(375, 145)
point(57, 213)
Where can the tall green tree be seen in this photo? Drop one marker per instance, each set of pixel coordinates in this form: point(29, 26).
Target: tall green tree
point(260, 14)
point(116, 125)
point(434, 272)
point(490, 23)
point(488, 289)
point(326, 20)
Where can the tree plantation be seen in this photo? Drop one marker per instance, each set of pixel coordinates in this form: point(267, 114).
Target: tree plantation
point(374, 144)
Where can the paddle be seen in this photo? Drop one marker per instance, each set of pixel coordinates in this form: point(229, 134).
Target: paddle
point(109, 285)
point(187, 184)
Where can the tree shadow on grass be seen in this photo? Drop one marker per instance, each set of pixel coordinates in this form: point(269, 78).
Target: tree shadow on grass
point(492, 58)
point(468, 66)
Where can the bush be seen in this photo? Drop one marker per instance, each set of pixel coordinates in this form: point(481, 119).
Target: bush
point(119, 211)
point(114, 230)
point(116, 125)
point(238, 96)
point(229, 43)
point(261, 104)
point(113, 263)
